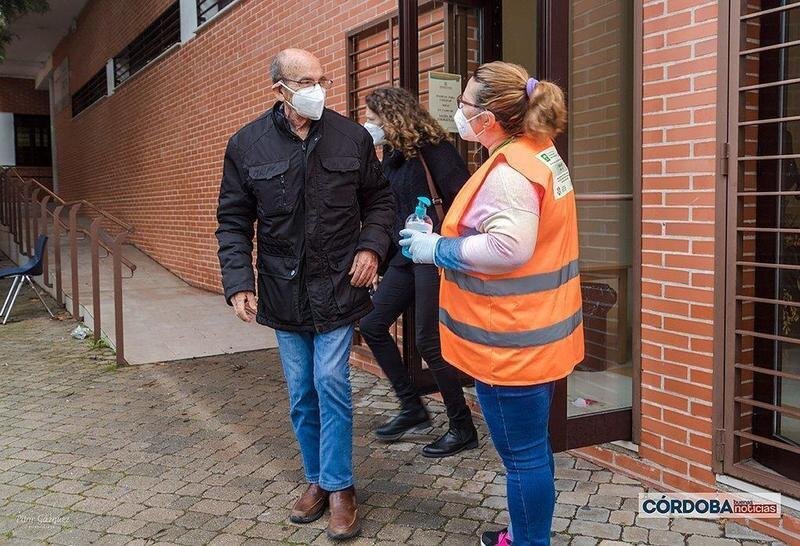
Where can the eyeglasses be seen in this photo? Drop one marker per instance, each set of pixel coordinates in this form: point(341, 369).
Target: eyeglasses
point(461, 102)
point(325, 83)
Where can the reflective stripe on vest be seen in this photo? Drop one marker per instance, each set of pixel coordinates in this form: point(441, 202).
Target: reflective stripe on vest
point(523, 327)
point(531, 284)
point(512, 340)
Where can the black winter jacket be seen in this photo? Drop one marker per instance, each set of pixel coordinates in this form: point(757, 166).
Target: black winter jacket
point(408, 181)
point(316, 202)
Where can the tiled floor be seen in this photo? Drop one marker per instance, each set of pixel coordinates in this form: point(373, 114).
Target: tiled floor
point(201, 452)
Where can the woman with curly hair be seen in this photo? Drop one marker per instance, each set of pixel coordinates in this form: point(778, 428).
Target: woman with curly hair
point(414, 144)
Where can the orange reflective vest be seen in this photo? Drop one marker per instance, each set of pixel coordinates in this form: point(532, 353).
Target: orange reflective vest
point(523, 327)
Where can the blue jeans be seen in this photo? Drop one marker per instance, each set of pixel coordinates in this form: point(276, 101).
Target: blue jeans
point(317, 372)
point(517, 418)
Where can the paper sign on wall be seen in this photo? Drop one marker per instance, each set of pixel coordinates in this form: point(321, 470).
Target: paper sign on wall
point(444, 90)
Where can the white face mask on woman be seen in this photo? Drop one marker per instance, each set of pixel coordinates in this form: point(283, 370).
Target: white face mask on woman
point(309, 102)
point(377, 133)
point(465, 130)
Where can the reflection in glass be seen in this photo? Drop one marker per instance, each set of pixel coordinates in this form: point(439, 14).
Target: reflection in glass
point(600, 140)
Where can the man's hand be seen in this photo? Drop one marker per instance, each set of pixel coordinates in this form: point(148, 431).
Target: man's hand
point(365, 268)
point(244, 304)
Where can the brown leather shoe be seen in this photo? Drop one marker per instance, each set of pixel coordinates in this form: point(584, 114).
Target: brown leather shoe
point(343, 523)
point(310, 506)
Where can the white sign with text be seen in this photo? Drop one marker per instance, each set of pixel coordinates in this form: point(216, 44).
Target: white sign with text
point(444, 91)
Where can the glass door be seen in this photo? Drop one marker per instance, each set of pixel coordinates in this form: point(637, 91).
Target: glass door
point(587, 47)
point(452, 36)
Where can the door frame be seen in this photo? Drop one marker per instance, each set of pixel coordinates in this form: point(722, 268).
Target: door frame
point(553, 25)
point(553, 64)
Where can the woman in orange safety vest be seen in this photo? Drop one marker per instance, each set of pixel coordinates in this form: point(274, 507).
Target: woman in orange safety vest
point(510, 299)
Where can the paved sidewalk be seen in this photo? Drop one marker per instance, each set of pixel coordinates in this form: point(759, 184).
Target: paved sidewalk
point(201, 452)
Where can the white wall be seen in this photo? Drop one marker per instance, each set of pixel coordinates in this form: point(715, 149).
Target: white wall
point(7, 139)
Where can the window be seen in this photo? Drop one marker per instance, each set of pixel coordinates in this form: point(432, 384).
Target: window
point(206, 9)
point(92, 91)
point(374, 58)
point(32, 140)
point(762, 357)
point(152, 42)
point(600, 80)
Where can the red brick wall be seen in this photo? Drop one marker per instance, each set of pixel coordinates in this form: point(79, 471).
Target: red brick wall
point(679, 134)
point(152, 152)
point(104, 28)
point(19, 96)
point(678, 261)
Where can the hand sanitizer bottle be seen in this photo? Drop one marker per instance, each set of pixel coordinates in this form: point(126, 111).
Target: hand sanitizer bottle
point(419, 221)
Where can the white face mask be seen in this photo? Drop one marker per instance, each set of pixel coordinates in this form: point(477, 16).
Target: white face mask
point(377, 133)
point(465, 130)
point(309, 102)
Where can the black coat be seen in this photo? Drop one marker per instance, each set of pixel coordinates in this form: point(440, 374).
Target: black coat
point(408, 181)
point(317, 202)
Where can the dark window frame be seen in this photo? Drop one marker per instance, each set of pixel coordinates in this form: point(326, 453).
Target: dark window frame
point(92, 91)
point(158, 37)
point(208, 9)
point(38, 151)
point(749, 364)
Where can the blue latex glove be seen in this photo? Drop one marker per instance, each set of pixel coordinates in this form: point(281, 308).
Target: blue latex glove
point(422, 246)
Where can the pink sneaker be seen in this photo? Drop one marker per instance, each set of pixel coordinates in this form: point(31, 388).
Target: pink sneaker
point(496, 538)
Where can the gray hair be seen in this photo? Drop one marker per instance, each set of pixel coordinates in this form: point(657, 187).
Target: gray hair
point(277, 66)
point(289, 61)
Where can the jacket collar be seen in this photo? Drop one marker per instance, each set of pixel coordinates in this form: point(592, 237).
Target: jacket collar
point(282, 122)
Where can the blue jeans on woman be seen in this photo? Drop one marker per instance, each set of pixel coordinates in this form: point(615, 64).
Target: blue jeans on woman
point(517, 418)
point(317, 371)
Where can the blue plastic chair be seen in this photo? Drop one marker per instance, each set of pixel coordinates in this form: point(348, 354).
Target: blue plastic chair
point(20, 275)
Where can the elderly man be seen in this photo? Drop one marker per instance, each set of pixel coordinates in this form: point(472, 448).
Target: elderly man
point(311, 179)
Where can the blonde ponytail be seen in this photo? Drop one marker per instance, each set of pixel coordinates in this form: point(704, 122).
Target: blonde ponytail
point(547, 111)
point(504, 92)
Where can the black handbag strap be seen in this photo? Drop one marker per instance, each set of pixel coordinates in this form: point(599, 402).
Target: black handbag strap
point(438, 204)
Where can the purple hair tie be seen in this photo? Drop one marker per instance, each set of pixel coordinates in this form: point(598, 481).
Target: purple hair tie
point(531, 85)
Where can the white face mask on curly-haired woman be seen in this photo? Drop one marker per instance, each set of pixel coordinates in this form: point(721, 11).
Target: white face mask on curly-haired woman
point(376, 132)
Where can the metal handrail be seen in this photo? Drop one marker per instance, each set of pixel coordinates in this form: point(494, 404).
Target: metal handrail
point(37, 186)
point(27, 216)
point(124, 225)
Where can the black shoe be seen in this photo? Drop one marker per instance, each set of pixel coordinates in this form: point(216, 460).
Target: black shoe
point(495, 538)
point(455, 440)
point(411, 419)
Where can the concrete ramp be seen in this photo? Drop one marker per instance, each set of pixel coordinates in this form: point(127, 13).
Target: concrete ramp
point(164, 317)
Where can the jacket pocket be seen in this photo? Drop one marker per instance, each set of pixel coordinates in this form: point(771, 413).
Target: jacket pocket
point(278, 289)
point(347, 296)
point(279, 267)
point(340, 180)
point(271, 187)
